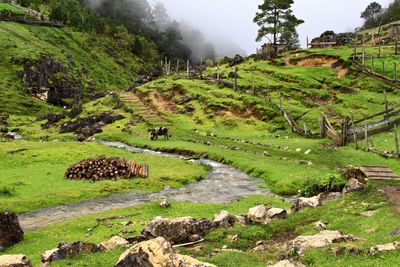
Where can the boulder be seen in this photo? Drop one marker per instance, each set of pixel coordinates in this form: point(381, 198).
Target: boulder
point(287, 263)
point(320, 225)
point(114, 242)
point(384, 248)
point(156, 253)
point(165, 204)
point(237, 59)
point(353, 185)
point(177, 230)
point(18, 260)
point(66, 250)
point(263, 215)
point(10, 230)
point(240, 219)
point(223, 219)
point(304, 202)
point(324, 238)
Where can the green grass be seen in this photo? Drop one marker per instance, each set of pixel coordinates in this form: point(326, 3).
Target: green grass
point(343, 215)
point(14, 10)
point(32, 174)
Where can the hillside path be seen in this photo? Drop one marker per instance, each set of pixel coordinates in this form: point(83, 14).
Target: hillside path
point(223, 185)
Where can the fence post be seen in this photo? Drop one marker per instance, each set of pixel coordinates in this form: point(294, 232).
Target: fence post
point(177, 66)
point(354, 130)
point(386, 102)
point(380, 50)
point(344, 131)
point(366, 136)
point(372, 63)
point(396, 139)
point(383, 68)
point(322, 128)
point(188, 68)
point(218, 72)
point(363, 50)
point(396, 52)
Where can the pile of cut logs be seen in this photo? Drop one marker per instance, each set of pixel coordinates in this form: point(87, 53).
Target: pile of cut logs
point(102, 168)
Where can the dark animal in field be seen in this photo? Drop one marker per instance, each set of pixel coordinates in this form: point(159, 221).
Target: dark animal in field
point(160, 131)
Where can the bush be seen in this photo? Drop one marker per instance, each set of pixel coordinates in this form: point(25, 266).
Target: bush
point(330, 183)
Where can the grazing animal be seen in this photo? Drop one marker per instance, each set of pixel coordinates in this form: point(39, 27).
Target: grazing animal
point(160, 131)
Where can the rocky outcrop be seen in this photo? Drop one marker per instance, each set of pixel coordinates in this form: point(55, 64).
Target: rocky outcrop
point(263, 215)
point(66, 250)
point(177, 230)
point(340, 38)
point(10, 230)
point(113, 243)
point(324, 238)
point(384, 248)
point(87, 127)
point(49, 80)
point(353, 185)
point(304, 202)
point(15, 261)
point(156, 253)
point(237, 59)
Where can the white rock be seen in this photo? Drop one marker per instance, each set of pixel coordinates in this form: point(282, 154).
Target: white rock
point(287, 263)
point(18, 260)
point(114, 242)
point(384, 248)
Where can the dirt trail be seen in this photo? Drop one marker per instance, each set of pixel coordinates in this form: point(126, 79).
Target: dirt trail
point(224, 184)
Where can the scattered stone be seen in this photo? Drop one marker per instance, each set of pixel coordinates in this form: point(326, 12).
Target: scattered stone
point(233, 238)
point(66, 250)
point(15, 261)
point(307, 152)
point(324, 238)
point(276, 213)
point(305, 162)
point(303, 202)
point(320, 225)
point(263, 215)
point(10, 230)
point(127, 223)
point(240, 219)
point(156, 252)
point(223, 219)
point(114, 242)
point(267, 154)
point(177, 230)
point(165, 204)
point(353, 185)
point(384, 248)
point(287, 263)
point(298, 150)
point(395, 232)
point(369, 213)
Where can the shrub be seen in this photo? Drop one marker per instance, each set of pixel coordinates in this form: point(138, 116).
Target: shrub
point(329, 183)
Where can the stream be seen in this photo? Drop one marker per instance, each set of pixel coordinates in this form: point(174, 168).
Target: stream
point(224, 185)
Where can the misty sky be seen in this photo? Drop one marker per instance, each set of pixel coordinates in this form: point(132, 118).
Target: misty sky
point(233, 18)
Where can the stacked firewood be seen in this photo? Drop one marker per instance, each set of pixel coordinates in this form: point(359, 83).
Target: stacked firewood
point(102, 168)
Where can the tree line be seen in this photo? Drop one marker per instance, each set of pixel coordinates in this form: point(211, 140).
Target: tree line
point(375, 15)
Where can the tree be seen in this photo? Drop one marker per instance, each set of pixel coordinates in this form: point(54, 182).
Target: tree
point(371, 11)
point(275, 17)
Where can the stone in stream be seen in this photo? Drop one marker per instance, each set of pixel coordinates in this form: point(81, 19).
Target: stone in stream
point(353, 185)
point(10, 230)
point(66, 250)
point(177, 230)
point(156, 252)
point(18, 260)
point(263, 215)
point(302, 243)
point(384, 248)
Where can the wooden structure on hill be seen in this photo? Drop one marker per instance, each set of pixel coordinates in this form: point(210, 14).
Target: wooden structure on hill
point(378, 173)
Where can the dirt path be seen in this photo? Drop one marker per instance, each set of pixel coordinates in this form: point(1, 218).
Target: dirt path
point(224, 184)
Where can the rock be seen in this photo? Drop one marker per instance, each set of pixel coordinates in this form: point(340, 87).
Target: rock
point(276, 213)
point(66, 250)
point(320, 225)
point(127, 223)
point(165, 204)
point(395, 232)
point(369, 213)
point(114, 242)
point(177, 230)
point(303, 202)
point(287, 263)
point(10, 230)
point(240, 219)
point(233, 238)
point(156, 253)
point(307, 152)
point(258, 215)
point(15, 261)
point(324, 238)
point(267, 154)
point(353, 185)
point(236, 60)
point(384, 248)
point(223, 219)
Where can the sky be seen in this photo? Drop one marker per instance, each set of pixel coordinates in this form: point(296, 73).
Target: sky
point(233, 19)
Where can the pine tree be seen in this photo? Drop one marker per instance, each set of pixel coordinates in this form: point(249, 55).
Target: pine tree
point(275, 17)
